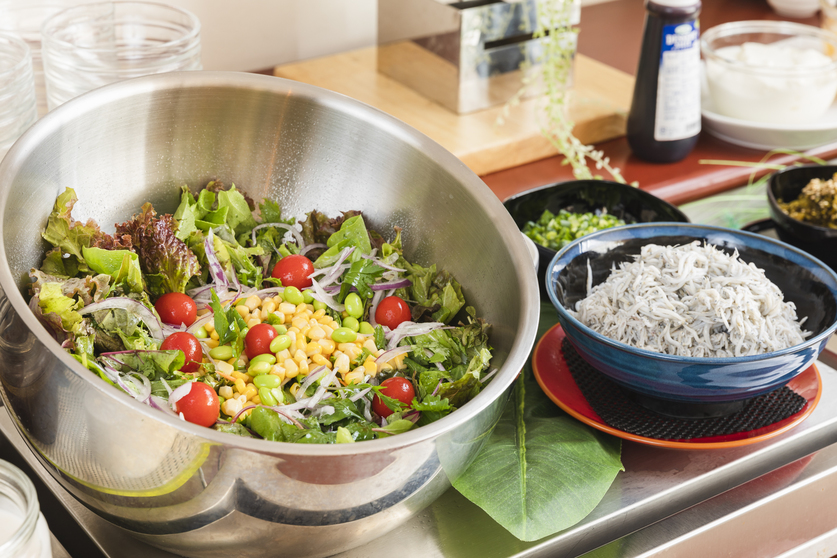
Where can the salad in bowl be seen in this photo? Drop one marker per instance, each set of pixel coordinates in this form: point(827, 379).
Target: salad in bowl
point(237, 318)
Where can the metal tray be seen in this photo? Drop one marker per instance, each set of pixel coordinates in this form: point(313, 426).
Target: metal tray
point(772, 477)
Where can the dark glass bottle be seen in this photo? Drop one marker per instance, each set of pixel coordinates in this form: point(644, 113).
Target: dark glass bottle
point(664, 121)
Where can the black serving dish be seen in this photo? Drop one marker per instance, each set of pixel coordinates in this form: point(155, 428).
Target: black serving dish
point(785, 185)
point(628, 203)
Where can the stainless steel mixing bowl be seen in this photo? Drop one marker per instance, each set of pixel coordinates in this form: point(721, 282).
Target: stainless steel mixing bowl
point(188, 489)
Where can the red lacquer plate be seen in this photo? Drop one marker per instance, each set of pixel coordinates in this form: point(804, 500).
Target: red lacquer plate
point(555, 379)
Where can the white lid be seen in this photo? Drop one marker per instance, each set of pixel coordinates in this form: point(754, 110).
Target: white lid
point(676, 3)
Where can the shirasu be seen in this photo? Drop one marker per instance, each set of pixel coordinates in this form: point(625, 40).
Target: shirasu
point(692, 300)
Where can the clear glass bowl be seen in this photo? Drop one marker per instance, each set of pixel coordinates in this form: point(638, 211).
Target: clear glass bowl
point(829, 15)
point(772, 84)
point(88, 46)
point(17, 90)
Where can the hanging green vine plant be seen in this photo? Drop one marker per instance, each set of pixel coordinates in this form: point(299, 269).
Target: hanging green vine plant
point(554, 69)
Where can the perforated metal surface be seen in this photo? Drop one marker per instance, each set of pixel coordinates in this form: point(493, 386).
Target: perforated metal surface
point(616, 408)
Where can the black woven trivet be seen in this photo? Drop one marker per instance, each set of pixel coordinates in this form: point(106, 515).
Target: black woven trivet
point(618, 409)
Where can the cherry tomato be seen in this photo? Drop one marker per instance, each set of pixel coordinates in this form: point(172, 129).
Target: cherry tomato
point(293, 271)
point(200, 405)
point(397, 388)
point(190, 346)
point(258, 338)
point(392, 311)
point(176, 308)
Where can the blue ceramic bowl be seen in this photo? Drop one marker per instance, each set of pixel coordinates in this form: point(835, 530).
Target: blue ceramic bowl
point(803, 279)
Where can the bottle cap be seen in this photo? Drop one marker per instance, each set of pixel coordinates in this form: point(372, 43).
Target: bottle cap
point(676, 3)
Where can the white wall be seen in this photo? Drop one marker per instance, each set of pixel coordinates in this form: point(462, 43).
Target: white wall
point(256, 34)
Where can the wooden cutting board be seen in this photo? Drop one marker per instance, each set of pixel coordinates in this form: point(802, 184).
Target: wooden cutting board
point(600, 102)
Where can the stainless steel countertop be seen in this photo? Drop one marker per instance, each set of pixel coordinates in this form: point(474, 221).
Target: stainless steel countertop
point(778, 508)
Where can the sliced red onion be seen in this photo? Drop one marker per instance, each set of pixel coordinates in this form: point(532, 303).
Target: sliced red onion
point(360, 394)
point(436, 390)
point(366, 407)
point(216, 270)
point(488, 376)
point(411, 329)
point(320, 294)
point(312, 377)
point(381, 263)
point(198, 291)
point(334, 272)
point(321, 391)
point(290, 228)
point(200, 322)
point(160, 404)
point(390, 354)
point(373, 307)
point(324, 410)
point(400, 284)
point(167, 386)
point(243, 410)
point(179, 393)
point(155, 327)
point(312, 246)
point(265, 292)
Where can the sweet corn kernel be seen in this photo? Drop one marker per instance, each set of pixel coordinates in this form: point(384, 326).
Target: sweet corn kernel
point(231, 407)
point(300, 343)
point(299, 355)
point(242, 399)
point(214, 335)
point(240, 385)
point(225, 368)
point(211, 343)
point(251, 391)
point(370, 365)
point(209, 326)
point(369, 344)
point(243, 310)
point(341, 363)
point(303, 368)
point(291, 369)
point(253, 302)
point(328, 330)
point(263, 314)
point(253, 322)
point(320, 360)
point(299, 323)
point(282, 355)
point(399, 362)
point(353, 377)
point(327, 345)
point(278, 370)
point(268, 305)
point(316, 333)
point(226, 392)
point(303, 331)
point(256, 400)
point(301, 308)
point(292, 335)
point(287, 308)
point(294, 389)
point(350, 349)
point(280, 316)
point(318, 314)
point(313, 348)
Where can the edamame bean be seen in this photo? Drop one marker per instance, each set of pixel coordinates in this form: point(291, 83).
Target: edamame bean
point(351, 323)
point(280, 329)
point(267, 381)
point(266, 397)
point(266, 357)
point(319, 305)
point(292, 295)
point(259, 368)
point(366, 328)
point(201, 333)
point(308, 298)
point(354, 305)
point(279, 395)
point(280, 343)
point(222, 352)
point(343, 335)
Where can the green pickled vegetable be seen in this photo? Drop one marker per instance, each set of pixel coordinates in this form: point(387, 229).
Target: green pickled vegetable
point(556, 231)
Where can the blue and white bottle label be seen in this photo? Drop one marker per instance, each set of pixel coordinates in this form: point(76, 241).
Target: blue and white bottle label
point(678, 83)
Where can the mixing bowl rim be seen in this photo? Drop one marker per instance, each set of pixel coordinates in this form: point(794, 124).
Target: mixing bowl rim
point(674, 227)
point(774, 202)
point(84, 104)
point(733, 28)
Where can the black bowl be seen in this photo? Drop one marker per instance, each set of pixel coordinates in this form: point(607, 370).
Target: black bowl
point(785, 185)
point(628, 203)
